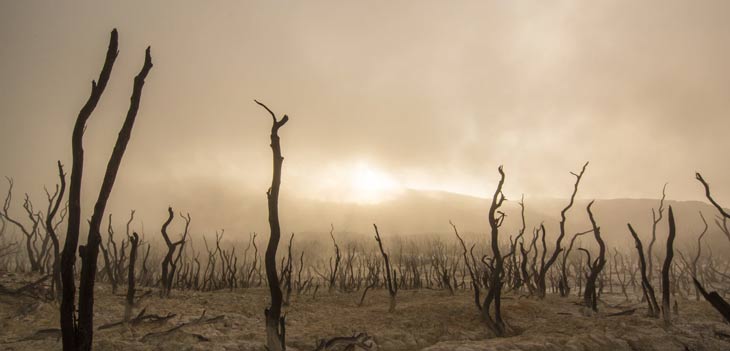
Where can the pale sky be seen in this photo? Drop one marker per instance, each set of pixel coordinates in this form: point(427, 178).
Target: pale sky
point(382, 95)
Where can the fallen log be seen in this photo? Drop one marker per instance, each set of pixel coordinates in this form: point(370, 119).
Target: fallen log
point(200, 320)
point(622, 313)
point(715, 300)
point(358, 341)
point(141, 317)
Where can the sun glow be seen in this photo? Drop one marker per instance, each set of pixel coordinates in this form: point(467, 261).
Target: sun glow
point(371, 185)
point(356, 181)
point(362, 181)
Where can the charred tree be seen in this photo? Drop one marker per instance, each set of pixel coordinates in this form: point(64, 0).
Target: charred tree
point(133, 244)
point(494, 292)
point(545, 267)
point(656, 217)
point(666, 293)
point(338, 257)
point(287, 272)
point(391, 280)
point(563, 285)
point(275, 323)
point(72, 338)
point(169, 265)
point(472, 271)
point(724, 215)
point(110, 254)
point(77, 331)
point(589, 295)
point(715, 300)
point(719, 208)
point(31, 233)
point(54, 203)
point(699, 254)
point(649, 294)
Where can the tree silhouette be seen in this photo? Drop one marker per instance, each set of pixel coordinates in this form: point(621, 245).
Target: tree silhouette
point(77, 330)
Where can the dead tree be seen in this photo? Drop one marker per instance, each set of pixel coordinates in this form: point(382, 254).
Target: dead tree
point(699, 254)
point(666, 312)
point(248, 278)
point(719, 208)
point(440, 264)
point(30, 233)
point(516, 280)
point(5, 249)
point(287, 271)
point(302, 284)
point(589, 294)
point(724, 215)
point(275, 322)
point(494, 292)
point(54, 202)
point(77, 331)
point(656, 217)
point(472, 272)
point(333, 269)
point(391, 281)
point(620, 273)
point(73, 338)
point(649, 294)
point(168, 265)
point(133, 244)
point(110, 254)
point(563, 285)
point(373, 267)
point(544, 268)
point(144, 275)
point(115, 257)
point(167, 261)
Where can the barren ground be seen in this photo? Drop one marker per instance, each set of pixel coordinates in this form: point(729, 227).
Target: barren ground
point(424, 320)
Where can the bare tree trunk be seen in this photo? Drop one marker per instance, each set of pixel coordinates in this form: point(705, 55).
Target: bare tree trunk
point(719, 208)
point(472, 271)
point(666, 312)
point(287, 272)
point(79, 335)
point(71, 338)
point(699, 254)
point(275, 323)
point(170, 251)
point(545, 267)
point(333, 270)
point(168, 265)
point(655, 219)
point(494, 294)
point(391, 281)
point(645, 283)
point(589, 295)
point(134, 242)
point(31, 235)
point(56, 199)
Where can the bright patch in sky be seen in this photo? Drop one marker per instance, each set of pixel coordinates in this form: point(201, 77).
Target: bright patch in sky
point(363, 181)
point(371, 185)
point(357, 181)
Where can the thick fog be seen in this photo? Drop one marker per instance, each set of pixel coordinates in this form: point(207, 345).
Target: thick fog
point(383, 96)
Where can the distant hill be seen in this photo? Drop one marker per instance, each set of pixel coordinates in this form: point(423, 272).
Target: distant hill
point(428, 212)
point(418, 212)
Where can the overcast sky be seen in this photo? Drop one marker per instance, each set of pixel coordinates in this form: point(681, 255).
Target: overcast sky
point(414, 94)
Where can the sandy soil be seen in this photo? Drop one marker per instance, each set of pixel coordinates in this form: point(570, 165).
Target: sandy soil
point(424, 320)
